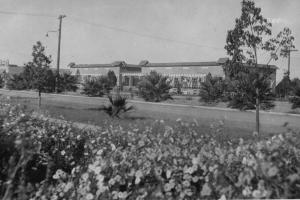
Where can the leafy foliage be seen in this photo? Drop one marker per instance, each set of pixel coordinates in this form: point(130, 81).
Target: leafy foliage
point(284, 87)
point(154, 87)
point(40, 67)
point(96, 86)
point(112, 78)
point(118, 105)
point(243, 91)
point(212, 89)
point(68, 82)
point(16, 82)
point(36, 74)
point(141, 161)
point(2, 79)
point(249, 38)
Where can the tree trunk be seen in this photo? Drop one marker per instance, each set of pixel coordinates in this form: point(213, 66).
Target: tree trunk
point(40, 99)
point(257, 110)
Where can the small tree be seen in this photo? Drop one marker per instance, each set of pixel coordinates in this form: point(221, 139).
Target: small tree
point(154, 87)
point(244, 43)
point(40, 66)
point(96, 86)
point(212, 89)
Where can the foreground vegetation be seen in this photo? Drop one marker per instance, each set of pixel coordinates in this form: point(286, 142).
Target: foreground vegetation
point(41, 159)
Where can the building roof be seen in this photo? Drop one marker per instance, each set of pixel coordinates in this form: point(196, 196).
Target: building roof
point(182, 64)
point(113, 64)
point(146, 63)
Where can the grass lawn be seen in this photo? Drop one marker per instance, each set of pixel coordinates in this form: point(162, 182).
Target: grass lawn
point(85, 113)
point(280, 106)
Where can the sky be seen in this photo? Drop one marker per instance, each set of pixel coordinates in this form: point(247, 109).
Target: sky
point(103, 31)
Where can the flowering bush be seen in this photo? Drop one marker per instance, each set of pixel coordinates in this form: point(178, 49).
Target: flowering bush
point(149, 161)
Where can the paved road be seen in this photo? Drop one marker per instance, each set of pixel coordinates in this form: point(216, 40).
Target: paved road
point(270, 121)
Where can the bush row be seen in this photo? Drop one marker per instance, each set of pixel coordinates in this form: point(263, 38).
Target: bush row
point(47, 160)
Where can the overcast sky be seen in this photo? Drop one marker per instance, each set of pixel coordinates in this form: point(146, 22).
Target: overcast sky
point(103, 31)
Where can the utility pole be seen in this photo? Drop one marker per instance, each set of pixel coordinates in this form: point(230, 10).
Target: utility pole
point(58, 51)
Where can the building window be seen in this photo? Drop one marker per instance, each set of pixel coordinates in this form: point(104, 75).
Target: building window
point(126, 81)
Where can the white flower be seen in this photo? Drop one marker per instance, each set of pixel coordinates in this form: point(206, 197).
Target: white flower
point(257, 194)
point(113, 147)
point(138, 175)
point(122, 195)
point(85, 176)
point(280, 137)
point(223, 197)
point(206, 191)
point(68, 186)
point(63, 152)
point(168, 173)
point(246, 191)
point(89, 196)
point(272, 171)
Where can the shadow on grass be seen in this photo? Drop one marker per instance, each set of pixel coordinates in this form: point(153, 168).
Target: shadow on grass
point(124, 116)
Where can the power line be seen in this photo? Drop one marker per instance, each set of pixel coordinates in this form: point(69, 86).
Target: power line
point(80, 20)
point(26, 14)
point(142, 34)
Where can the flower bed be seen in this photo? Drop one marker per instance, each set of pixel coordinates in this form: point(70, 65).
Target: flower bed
point(46, 160)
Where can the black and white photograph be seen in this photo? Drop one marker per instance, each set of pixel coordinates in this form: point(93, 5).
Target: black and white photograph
point(149, 99)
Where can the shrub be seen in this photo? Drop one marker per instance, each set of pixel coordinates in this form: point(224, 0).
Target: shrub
point(117, 106)
point(32, 148)
point(284, 87)
point(112, 78)
point(212, 89)
point(295, 98)
point(68, 82)
point(154, 87)
point(2, 80)
point(16, 82)
point(96, 86)
point(242, 90)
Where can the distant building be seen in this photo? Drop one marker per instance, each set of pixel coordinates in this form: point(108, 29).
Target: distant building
point(7, 68)
point(187, 75)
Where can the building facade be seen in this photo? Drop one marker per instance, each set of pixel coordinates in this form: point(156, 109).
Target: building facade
point(7, 68)
point(186, 75)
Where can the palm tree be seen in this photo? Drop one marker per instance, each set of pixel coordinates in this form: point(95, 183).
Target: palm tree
point(212, 89)
point(154, 87)
point(118, 105)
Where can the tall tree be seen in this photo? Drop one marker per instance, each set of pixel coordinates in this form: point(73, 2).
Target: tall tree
point(250, 38)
